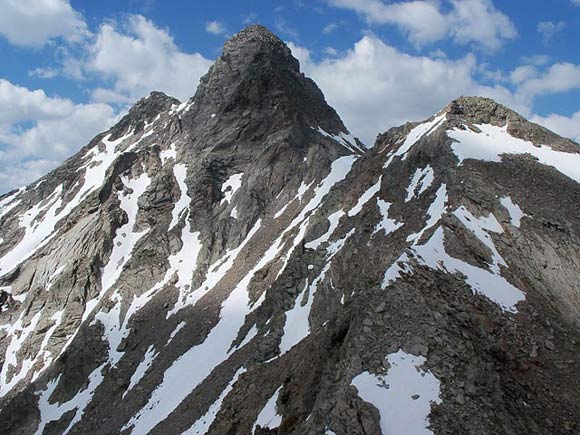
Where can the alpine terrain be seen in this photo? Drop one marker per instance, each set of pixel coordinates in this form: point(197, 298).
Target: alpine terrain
point(240, 264)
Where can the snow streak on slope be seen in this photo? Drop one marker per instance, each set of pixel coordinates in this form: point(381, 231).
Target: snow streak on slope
point(214, 275)
point(422, 179)
point(296, 326)
point(46, 355)
point(386, 224)
point(125, 238)
point(202, 425)
point(96, 167)
point(365, 197)
point(269, 417)
point(18, 334)
point(492, 142)
point(8, 203)
point(214, 350)
point(488, 283)
point(515, 212)
point(347, 140)
point(403, 396)
point(116, 329)
point(54, 411)
point(480, 227)
point(334, 220)
point(230, 186)
point(180, 173)
point(39, 232)
point(435, 211)
point(168, 154)
point(297, 323)
point(339, 170)
point(414, 136)
point(142, 368)
point(180, 380)
point(36, 231)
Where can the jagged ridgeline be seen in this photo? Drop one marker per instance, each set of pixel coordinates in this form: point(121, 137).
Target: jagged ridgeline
point(240, 264)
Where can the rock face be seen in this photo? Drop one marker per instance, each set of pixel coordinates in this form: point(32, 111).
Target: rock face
point(239, 264)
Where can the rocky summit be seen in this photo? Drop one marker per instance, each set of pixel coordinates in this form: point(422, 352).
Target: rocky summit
point(240, 264)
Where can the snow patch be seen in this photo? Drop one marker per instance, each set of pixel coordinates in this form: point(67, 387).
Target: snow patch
point(422, 179)
point(345, 139)
point(515, 212)
point(125, 238)
point(230, 186)
point(488, 283)
point(18, 333)
point(417, 133)
point(268, 416)
point(403, 396)
point(371, 191)
point(386, 224)
point(54, 411)
point(180, 174)
point(142, 368)
point(202, 425)
point(492, 142)
point(334, 220)
point(435, 212)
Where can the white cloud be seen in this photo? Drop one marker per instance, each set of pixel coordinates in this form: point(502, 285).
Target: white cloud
point(35, 22)
point(329, 28)
point(559, 77)
point(549, 29)
point(523, 73)
point(37, 131)
point(478, 21)
point(140, 57)
point(563, 125)
point(374, 86)
point(250, 18)
point(43, 73)
point(537, 59)
point(575, 2)
point(424, 22)
point(215, 28)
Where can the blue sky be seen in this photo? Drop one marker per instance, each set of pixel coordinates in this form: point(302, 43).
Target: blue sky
point(71, 68)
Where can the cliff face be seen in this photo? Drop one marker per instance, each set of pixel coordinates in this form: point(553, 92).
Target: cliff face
point(239, 264)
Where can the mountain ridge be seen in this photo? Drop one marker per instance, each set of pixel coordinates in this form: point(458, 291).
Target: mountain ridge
point(238, 263)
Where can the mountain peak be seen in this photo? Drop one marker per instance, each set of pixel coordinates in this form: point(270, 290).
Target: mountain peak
point(144, 111)
point(253, 34)
point(479, 107)
point(481, 110)
point(257, 43)
point(257, 82)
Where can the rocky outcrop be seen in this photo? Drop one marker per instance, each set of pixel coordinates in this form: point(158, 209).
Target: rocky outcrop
point(238, 264)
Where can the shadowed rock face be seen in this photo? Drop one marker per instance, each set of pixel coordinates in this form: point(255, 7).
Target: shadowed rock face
point(238, 264)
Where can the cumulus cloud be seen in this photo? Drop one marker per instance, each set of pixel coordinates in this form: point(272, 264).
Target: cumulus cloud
point(478, 21)
point(138, 57)
point(37, 131)
point(523, 73)
point(215, 28)
point(549, 29)
point(374, 86)
point(563, 125)
point(425, 22)
point(559, 77)
point(35, 22)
